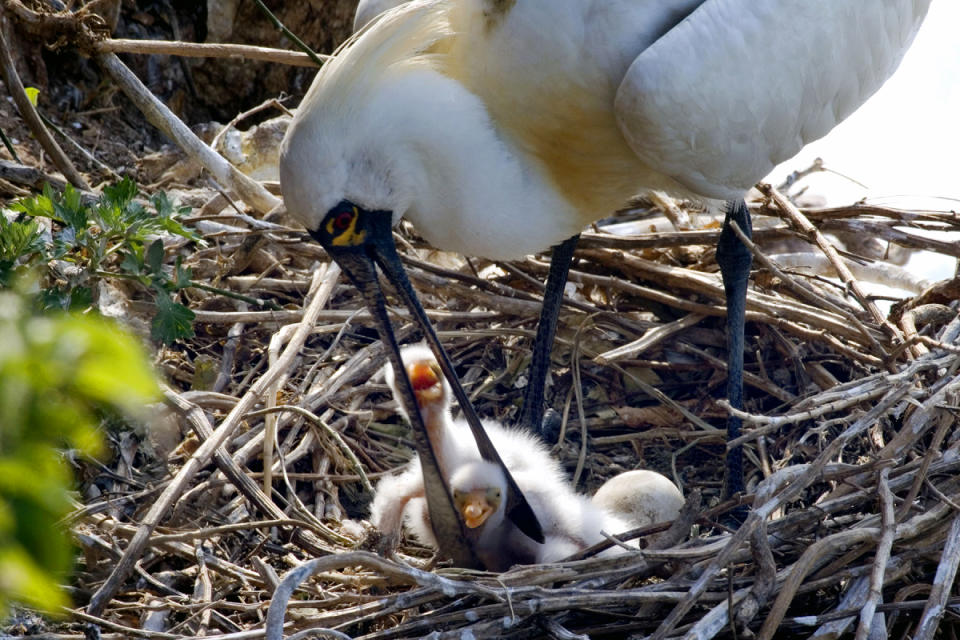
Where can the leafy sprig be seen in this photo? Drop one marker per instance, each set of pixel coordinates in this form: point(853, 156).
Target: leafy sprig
point(83, 241)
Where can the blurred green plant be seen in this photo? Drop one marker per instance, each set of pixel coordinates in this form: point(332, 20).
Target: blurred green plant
point(59, 373)
point(115, 236)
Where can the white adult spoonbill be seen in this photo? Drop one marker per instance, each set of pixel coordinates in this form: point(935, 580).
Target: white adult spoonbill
point(503, 127)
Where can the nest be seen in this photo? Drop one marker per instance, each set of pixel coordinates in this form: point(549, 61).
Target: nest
point(851, 440)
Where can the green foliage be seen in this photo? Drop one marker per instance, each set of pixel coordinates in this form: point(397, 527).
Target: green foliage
point(58, 373)
point(116, 236)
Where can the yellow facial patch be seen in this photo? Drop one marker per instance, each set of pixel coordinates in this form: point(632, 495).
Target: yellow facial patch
point(342, 228)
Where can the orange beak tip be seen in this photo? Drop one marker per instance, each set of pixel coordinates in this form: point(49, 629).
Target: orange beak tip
point(475, 513)
point(422, 376)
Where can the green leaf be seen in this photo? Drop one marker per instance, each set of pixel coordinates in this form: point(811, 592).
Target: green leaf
point(120, 194)
point(111, 370)
point(182, 276)
point(173, 321)
point(58, 374)
point(166, 214)
point(81, 298)
point(132, 262)
point(53, 298)
point(70, 210)
point(40, 206)
point(32, 94)
point(155, 257)
point(20, 246)
point(25, 582)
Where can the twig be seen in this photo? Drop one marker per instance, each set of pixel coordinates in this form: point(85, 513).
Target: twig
point(816, 554)
point(796, 479)
point(202, 590)
point(649, 339)
point(797, 218)
point(12, 80)
point(578, 391)
point(855, 593)
point(330, 431)
point(229, 356)
point(290, 34)
point(208, 50)
point(674, 278)
point(76, 145)
point(161, 117)
point(226, 293)
point(35, 178)
point(804, 292)
point(138, 543)
point(293, 579)
point(881, 556)
point(942, 584)
point(9, 145)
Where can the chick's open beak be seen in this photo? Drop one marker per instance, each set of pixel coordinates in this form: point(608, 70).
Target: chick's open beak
point(476, 508)
point(359, 262)
point(427, 385)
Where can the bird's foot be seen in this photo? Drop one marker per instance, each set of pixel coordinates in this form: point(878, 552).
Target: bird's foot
point(735, 517)
point(550, 426)
point(383, 544)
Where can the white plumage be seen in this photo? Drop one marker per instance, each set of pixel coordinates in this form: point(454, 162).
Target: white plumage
point(570, 521)
point(741, 86)
point(367, 10)
point(521, 451)
point(399, 498)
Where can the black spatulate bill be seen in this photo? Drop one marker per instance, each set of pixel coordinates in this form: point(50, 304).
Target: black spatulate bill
point(358, 240)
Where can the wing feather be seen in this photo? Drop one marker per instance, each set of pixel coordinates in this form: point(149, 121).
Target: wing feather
point(740, 85)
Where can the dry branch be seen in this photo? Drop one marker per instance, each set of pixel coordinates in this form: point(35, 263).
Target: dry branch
point(205, 50)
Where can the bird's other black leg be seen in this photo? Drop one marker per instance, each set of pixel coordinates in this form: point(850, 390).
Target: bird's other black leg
point(734, 259)
point(531, 411)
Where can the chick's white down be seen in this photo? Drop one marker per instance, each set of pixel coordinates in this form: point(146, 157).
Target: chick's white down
point(398, 498)
point(570, 521)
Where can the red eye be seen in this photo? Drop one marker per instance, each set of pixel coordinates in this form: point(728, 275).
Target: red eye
point(342, 221)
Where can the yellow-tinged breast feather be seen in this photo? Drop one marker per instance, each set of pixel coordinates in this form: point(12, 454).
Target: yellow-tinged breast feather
point(564, 123)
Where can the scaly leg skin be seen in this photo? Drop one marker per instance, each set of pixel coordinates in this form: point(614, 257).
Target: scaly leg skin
point(734, 259)
point(531, 411)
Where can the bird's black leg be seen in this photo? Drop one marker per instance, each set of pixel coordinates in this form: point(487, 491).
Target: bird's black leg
point(531, 412)
point(734, 259)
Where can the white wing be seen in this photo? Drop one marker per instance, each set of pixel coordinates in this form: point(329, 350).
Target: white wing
point(741, 85)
